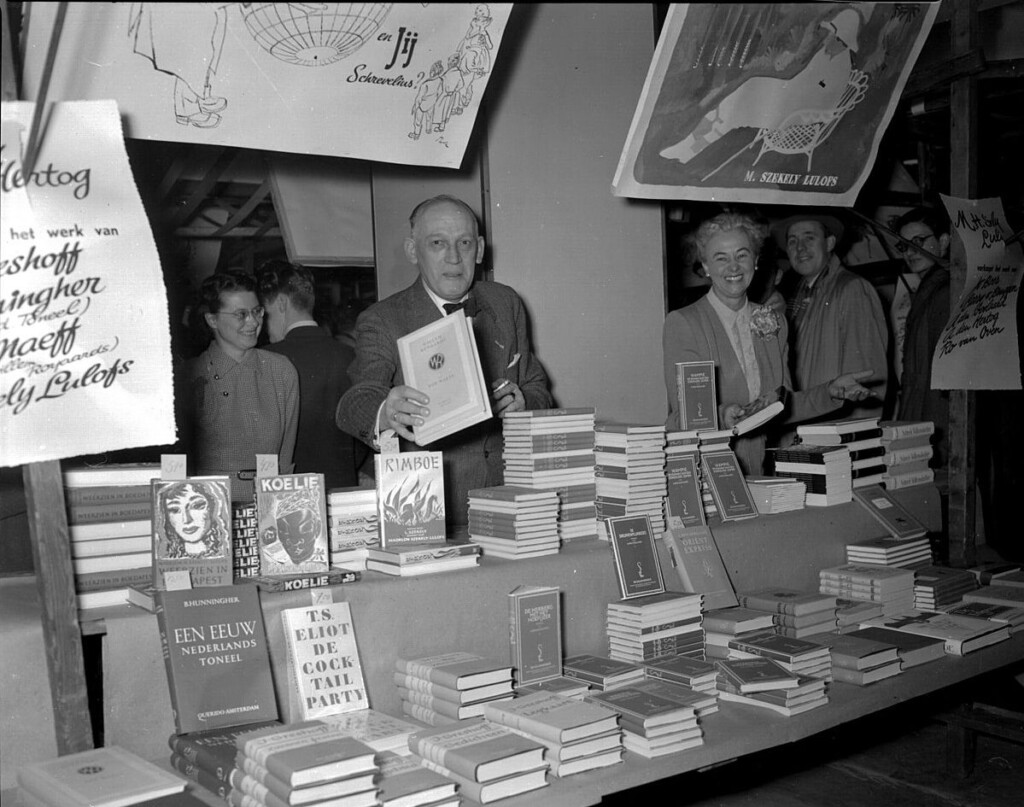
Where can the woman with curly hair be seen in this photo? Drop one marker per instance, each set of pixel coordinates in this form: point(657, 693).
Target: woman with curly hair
point(194, 520)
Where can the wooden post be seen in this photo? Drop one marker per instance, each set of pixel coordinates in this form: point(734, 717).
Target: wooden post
point(963, 181)
point(62, 636)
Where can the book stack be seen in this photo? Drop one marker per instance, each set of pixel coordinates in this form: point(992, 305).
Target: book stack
point(445, 689)
point(487, 761)
point(307, 762)
point(1001, 614)
point(553, 449)
point(777, 494)
point(353, 525)
point(825, 470)
point(909, 554)
point(891, 587)
point(937, 587)
point(600, 672)
point(860, 661)
point(110, 524)
point(645, 628)
point(908, 452)
point(379, 731)
point(797, 614)
point(700, 676)
point(245, 541)
point(509, 521)
point(682, 443)
point(803, 658)
point(413, 560)
point(208, 757)
point(765, 684)
point(578, 736)
point(862, 437)
point(562, 685)
point(656, 717)
point(960, 634)
point(404, 782)
point(912, 649)
point(851, 612)
point(722, 625)
point(998, 593)
point(630, 471)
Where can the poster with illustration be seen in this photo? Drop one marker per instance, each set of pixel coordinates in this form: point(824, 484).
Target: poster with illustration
point(781, 103)
point(393, 82)
point(85, 343)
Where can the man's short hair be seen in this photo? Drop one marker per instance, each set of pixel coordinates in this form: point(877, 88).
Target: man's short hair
point(931, 217)
point(280, 277)
point(222, 283)
point(421, 208)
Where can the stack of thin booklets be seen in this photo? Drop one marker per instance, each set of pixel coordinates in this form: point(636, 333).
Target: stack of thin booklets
point(777, 494)
point(553, 449)
point(1001, 614)
point(110, 523)
point(415, 559)
point(936, 587)
point(824, 469)
point(801, 657)
point(700, 676)
point(722, 625)
point(404, 782)
point(600, 672)
point(860, 661)
point(887, 551)
point(509, 521)
point(908, 452)
point(798, 614)
point(764, 683)
point(656, 717)
point(850, 612)
point(890, 586)
point(645, 628)
point(444, 689)
point(630, 471)
point(487, 761)
point(303, 763)
point(578, 736)
point(960, 634)
point(862, 437)
point(353, 525)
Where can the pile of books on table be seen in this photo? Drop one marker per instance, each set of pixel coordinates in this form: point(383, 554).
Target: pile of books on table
point(645, 628)
point(444, 689)
point(600, 672)
point(911, 553)
point(553, 449)
point(777, 494)
point(559, 685)
point(891, 587)
point(860, 661)
point(656, 717)
point(1012, 617)
point(353, 525)
point(908, 452)
point(960, 635)
point(765, 684)
point(681, 449)
point(797, 614)
point(700, 676)
point(508, 521)
point(825, 470)
point(722, 625)
point(850, 612)
point(404, 782)
point(801, 657)
point(413, 560)
point(630, 471)
point(110, 524)
point(577, 735)
point(709, 443)
point(936, 587)
point(1003, 591)
point(862, 437)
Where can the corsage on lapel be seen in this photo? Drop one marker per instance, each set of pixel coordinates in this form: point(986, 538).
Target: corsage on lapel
point(764, 322)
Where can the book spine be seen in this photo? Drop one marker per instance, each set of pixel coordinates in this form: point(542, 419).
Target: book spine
point(898, 481)
point(432, 703)
point(118, 578)
point(906, 455)
point(108, 513)
point(204, 778)
point(425, 715)
point(530, 726)
point(172, 678)
point(900, 431)
point(107, 496)
point(432, 674)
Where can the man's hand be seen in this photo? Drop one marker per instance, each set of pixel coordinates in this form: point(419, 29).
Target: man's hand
point(404, 408)
point(847, 387)
point(507, 398)
point(731, 415)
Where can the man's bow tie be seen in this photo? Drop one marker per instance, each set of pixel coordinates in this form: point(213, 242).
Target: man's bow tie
point(468, 306)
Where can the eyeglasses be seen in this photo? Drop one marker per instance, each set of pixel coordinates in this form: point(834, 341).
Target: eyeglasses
point(242, 314)
point(919, 241)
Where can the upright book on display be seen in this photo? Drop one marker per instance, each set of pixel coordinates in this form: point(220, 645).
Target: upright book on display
point(698, 398)
point(192, 529)
point(535, 633)
point(292, 515)
point(410, 498)
point(636, 557)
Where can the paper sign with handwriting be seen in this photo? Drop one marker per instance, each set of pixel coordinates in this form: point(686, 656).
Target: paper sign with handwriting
point(85, 347)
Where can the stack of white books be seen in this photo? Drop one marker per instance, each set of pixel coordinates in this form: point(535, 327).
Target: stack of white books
point(862, 437)
point(553, 449)
point(509, 521)
point(798, 614)
point(860, 661)
point(908, 453)
point(353, 525)
point(777, 494)
point(700, 676)
point(656, 717)
point(601, 672)
point(645, 628)
point(825, 470)
point(451, 687)
point(888, 551)
point(722, 625)
point(890, 586)
point(630, 471)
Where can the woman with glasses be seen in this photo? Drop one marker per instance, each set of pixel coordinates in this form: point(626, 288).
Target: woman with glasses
point(244, 401)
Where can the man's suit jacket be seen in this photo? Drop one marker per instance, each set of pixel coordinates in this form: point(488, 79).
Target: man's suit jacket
point(322, 363)
point(472, 457)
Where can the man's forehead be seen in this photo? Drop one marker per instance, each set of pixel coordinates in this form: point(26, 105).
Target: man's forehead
point(809, 225)
point(444, 215)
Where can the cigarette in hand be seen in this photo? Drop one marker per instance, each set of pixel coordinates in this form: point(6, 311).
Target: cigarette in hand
point(504, 383)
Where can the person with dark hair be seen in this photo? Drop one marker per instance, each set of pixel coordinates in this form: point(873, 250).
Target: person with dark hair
point(928, 231)
point(244, 401)
point(747, 342)
point(288, 293)
point(445, 244)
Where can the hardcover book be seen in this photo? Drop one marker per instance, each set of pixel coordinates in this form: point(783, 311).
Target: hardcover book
point(642, 710)
point(324, 673)
point(380, 731)
point(307, 753)
point(245, 540)
point(756, 674)
point(192, 529)
point(787, 601)
point(961, 634)
point(462, 697)
point(443, 706)
point(535, 633)
point(269, 791)
point(213, 750)
point(683, 502)
point(694, 555)
point(477, 750)
point(458, 670)
point(888, 512)
point(725, 478)
point(698, 397)
point(292, 516)
point(552, 718)
point(495, 789)
point(410, 498)
point(406, 783)
point(636, 558)
point(215, 652)
point(441, 360)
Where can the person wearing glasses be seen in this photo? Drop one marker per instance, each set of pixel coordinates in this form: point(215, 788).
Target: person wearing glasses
point(244, 401)
point(927, 229)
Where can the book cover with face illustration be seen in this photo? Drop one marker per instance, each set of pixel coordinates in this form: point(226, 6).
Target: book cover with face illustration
point(192, 529)
point(292, 516)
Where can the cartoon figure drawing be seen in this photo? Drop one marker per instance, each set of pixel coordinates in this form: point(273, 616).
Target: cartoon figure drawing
point(427, 101)
point(451, 89)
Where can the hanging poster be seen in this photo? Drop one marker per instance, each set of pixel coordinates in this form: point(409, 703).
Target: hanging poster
point(978, 347)
point(85, 343)
point(779, 103)
point(393, 82)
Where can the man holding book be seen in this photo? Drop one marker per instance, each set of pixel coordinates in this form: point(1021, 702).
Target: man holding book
point(445, 245)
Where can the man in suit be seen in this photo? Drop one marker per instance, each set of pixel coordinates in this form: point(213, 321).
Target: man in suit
point(444, 243)
point(288, 294)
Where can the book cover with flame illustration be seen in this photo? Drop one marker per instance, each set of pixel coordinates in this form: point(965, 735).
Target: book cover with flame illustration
point(410, 498)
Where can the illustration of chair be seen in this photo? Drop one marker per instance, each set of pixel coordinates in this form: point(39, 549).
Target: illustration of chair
point(806, 129)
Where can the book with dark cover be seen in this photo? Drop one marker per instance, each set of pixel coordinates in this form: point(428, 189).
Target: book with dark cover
point(913, 649)
point(478, 750)
point(410, 498)
point(888, 512)
point(725, 478)
point(535, 633)
point(680, 669)
point(215, 652)
point(205, 779)
point(694, 555)
point(334, 576)
point(599, 670)
point(856, 653)
point(637, 568)
point(779, 648)
point(786, 601)
point(192, 529)
point(683, 502)
point(697, 395)
point(756, 674)
point(213, 750)
point(307, 753)
point(458, 670)
point(552, 718)
point(292, 514)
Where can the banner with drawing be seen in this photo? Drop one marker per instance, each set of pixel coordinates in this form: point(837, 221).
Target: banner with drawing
point(978, 347)
point(777, 103)
point(393, 82)
point(85, 344)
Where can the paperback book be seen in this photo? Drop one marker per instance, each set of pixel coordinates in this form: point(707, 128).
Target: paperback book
point(694, 555)
point(535, 633)
point(637, 568)
point(292, 516)
point(477, 750)
point(192, 529)
point(410, 498)
point(697, 396)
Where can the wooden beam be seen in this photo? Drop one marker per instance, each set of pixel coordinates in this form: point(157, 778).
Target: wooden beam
point(9, 72)
point(939, 76)
point(965, 36)
point(51, 553)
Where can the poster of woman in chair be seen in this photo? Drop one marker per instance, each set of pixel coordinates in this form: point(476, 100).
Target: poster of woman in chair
point(743, 100)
